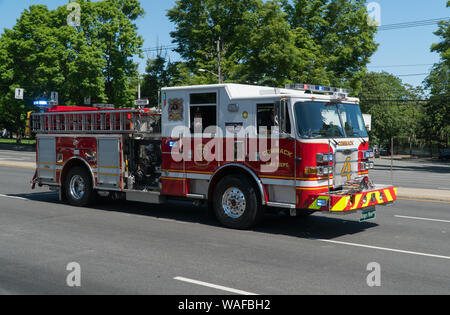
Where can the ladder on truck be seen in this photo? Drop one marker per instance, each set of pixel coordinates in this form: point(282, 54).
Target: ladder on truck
point(130, 121)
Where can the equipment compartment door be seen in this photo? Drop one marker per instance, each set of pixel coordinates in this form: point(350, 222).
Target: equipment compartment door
point(47, 159)
point(109, 168)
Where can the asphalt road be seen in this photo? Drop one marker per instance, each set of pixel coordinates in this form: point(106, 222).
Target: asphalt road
point(131, 248)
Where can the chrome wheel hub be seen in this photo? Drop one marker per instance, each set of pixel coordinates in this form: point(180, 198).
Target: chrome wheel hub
point(234, 203)
point(77, 187)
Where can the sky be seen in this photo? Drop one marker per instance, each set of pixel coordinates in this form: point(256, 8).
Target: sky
point(403, 52)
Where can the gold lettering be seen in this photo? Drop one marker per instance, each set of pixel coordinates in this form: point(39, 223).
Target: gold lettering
point(347, 169)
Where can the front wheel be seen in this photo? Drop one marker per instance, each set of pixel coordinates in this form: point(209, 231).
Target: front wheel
point(78, 187)
point(236, 204)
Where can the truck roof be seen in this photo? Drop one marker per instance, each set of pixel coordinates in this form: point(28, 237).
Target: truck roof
point(243, 91)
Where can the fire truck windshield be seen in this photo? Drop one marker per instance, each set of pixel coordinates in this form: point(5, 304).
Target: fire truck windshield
point(318, 120)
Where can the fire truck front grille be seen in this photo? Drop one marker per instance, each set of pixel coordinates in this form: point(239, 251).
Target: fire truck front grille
point(346, 167)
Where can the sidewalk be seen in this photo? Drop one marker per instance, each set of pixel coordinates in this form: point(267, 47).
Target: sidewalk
point(427, 194)
point(26, 165)
point(18, 147)
point(410, 158)
point(406, 193)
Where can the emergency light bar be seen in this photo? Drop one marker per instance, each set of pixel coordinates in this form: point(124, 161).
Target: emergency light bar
point(319, 89)
point(41, 103)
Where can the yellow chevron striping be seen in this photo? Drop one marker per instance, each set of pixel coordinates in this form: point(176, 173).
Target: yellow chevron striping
point(388, 195)
point(341, 205)
point(357, 201)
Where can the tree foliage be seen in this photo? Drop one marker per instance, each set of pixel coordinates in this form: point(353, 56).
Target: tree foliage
point(276, 42)
point(438, 82)
point(42, 53)
point(396, 108)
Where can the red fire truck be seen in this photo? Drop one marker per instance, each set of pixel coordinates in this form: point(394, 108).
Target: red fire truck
point(241, 149)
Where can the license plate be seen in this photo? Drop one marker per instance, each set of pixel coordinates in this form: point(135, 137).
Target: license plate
point(369, 214)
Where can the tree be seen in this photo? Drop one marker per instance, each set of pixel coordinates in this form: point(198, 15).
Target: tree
point(276, 42)
point(160, 73)
point(41, 53)
point(109, 26)
point(443, 48)
point(269, 55)
point(395, 108)
point(438, 82)
point(341, 41)
point(201, 23)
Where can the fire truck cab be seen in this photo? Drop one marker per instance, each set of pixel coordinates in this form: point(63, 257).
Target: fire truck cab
point(242, 149)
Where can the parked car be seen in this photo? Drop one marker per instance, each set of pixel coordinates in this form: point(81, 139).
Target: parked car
point(385, 152)
point(376, 152)
point(445, 155)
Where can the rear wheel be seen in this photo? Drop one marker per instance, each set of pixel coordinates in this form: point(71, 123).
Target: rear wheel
point(78, 187)
point(236, 204)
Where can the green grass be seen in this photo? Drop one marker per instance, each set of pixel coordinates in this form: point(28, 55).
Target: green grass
point(13, 141)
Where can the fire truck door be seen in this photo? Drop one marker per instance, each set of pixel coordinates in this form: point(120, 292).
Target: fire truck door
point(203, 117)
point(109, 168)
point(281, 181)
point(47, 159)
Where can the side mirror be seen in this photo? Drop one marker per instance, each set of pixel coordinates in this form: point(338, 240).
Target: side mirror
point(281, 115)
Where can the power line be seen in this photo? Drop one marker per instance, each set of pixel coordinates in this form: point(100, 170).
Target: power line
point(158, 48)
point(403, 25)
point(381, 28)
point(393, 100)
point(402, 66)
point(412, 75)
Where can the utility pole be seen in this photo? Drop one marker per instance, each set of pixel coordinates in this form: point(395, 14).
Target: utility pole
point(139, 86)
point(219, 61)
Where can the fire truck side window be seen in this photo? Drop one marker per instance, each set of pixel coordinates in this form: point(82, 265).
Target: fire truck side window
point(203, 117)
point(203, 99)
point(266, 117)
point(204, 109)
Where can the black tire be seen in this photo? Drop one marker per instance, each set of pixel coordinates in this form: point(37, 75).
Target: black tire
point(77, 195)
point(240, 214)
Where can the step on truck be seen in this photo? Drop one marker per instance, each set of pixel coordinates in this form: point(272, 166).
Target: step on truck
point(241, 149)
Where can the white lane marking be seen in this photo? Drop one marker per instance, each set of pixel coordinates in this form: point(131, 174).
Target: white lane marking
point(383, 249)
point(422, 219)
point(214, 286)
point(12, 197)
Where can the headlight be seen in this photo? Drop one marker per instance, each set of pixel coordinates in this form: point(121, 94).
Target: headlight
point(319, 171)
point(368, 155)
point(325, 158)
